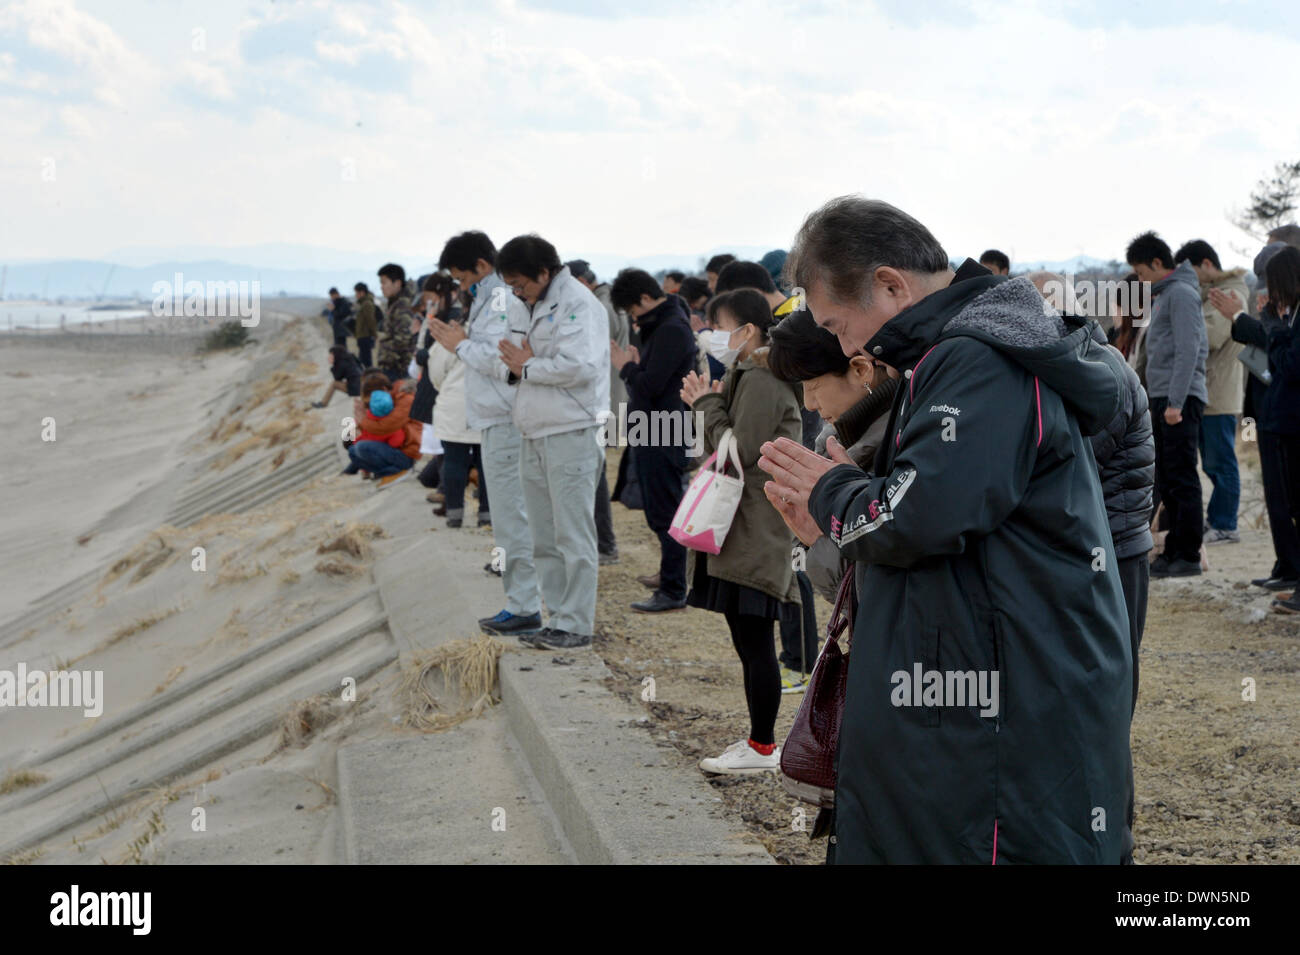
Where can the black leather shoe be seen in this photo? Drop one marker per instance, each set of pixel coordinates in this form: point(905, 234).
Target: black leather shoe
point(531, 639)
point(1276, 583)
point(562, 640)
point(1184, 568)
point(659, 603)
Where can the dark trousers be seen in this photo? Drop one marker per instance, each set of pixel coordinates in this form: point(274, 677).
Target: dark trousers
point(799, 629)
point(457, 459)
point(1291, 474)
point(659, 474)
point(606, 543)
point(1286, 541)
point(365, 347)
point(752, 638)
point(378, 458)
point(1134, 577)
point(1178, 478)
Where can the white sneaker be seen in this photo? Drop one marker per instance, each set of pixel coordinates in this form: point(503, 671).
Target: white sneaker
point(741, 758)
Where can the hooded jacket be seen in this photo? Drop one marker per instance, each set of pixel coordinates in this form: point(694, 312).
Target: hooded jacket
point(399, 419)
point(1126, 463)
point(1176, 340)
point(984, 556)
point(757, 407)
point(565, 385)
point(489, 397)
point(1223, 372)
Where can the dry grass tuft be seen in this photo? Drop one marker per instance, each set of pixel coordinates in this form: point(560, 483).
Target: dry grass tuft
point(305, 719)
point(470, 666)
point(145, 553)
point(17, 779)
point(233, 572)
point(354, 540)
point(137, 626)
point(169, 679)
point(290, 577)
point(333, 567)
point(143, 848)
point(153, 563)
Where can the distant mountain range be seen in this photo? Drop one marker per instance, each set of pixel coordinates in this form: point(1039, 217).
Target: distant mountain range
point(130, 273)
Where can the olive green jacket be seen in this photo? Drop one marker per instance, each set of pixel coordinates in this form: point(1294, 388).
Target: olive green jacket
point(367, 327)
point(757, 407)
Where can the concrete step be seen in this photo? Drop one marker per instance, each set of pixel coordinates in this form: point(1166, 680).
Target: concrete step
point(459, 797)
point(214, 730)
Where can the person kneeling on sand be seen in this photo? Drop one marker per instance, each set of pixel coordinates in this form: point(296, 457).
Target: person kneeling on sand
point(347, 373)
point(388, 441)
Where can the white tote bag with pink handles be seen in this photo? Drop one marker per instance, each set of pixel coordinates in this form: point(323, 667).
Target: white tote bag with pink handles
point(709, 505)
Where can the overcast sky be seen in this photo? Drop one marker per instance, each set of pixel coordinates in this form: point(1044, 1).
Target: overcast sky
point(1045, 129)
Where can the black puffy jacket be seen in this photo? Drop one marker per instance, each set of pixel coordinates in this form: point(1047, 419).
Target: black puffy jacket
point(985, 570)
point(1126, 463)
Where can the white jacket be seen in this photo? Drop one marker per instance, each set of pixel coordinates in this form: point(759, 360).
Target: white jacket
point(447, 374)
point(495, 312)
point(565, 384)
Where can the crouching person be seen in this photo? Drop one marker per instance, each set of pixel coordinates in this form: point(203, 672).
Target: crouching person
point(561, 372)
point(388, 441)
point(982, 548)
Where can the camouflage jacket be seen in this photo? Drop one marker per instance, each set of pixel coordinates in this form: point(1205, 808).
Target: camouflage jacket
point(396, 344)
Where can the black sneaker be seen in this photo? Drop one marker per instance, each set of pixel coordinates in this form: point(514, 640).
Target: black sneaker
point(485, 520)
point(1183, 568)
point(454, 522)
point(532, 639)
point(1290, 605)
point(1276, 583)
point(659, 602)
point(562, 640)
point(1160, 566)
point(506, 623)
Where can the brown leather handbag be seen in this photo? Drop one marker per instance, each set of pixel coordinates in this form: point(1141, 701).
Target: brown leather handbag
point(808, 755)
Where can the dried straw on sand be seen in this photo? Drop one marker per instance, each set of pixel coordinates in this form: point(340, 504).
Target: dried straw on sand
point(468, 665)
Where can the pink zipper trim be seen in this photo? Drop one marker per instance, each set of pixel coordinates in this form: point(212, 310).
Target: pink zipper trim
point(1038, 398)
point(911, 382)
point(995, 842)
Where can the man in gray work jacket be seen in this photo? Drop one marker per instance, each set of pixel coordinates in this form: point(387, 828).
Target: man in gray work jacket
point(561, 371)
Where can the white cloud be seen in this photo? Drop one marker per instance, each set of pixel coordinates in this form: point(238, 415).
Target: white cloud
point(1036, 130)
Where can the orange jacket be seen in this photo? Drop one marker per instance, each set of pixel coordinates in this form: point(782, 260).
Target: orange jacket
point(396, 420)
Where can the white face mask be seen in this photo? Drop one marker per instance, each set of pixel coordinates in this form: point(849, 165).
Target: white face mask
point(720, 347)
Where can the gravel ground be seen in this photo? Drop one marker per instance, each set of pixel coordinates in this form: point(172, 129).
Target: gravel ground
point(1218, 776)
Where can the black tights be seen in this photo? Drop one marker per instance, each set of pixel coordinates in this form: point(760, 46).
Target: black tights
point(756, 647)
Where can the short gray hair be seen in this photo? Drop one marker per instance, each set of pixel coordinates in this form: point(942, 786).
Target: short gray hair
point(1290, 234)
point(843, 243)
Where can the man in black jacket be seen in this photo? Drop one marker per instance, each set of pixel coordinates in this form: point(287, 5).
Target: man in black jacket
point(982, 548)
point(340, 312)
point(653, 375)
point(1260, 403)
